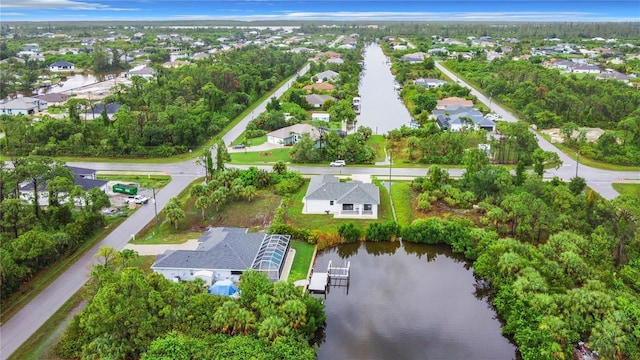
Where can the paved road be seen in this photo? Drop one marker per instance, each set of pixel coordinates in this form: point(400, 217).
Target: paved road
point(597, 179)
point(21, 326)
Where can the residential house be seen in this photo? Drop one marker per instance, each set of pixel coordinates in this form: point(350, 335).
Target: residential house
point(225, 253)
point(24, 105)
point(317, 100)
point(352, 199)
point(429, 83)
point(328, 75)
point(452, 101)
point(457, 118)
point(62, 66)
point(586, 69)
point(320, 116)
point(611, 74)
point(291, 134)
point(416, 57)
point(54, 98)
point(335, 60)
point(110, 108)
point(85, 178)
point(322, 87)
point(145, 72)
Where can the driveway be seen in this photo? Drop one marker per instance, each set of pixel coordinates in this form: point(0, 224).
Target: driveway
point(158, 249)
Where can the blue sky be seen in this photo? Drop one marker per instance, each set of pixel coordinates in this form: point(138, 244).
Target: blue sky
point(370, 10)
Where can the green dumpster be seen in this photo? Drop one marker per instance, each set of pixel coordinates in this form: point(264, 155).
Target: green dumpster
point(125, 189)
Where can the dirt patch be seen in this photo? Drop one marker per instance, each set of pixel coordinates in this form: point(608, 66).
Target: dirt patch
point(592, 134)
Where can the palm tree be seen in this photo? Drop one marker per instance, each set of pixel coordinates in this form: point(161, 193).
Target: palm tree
point(249, 192)
point(295, 312)
point(272, 327)
point(174, 212)
point(203, 203)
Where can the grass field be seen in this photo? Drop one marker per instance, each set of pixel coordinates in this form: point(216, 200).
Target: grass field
point(261, 157)
point(377, 142)
point(302, 261)
point(627, 189)
point(402, 197)
point(144, 181)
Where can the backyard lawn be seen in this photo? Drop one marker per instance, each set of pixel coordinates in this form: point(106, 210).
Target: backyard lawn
point(328, 223)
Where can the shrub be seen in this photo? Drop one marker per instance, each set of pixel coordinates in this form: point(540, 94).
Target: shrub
point(349, 232)
point(382, 232)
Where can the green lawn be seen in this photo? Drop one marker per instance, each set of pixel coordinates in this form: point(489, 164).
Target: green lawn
point(261, 157)
point(627, 189)
point(328, 223)
point(302, 261)
point(377, 142)
point(144, 181)
point(401, 194)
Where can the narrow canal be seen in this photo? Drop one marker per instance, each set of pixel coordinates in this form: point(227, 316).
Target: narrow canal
point(381, 108)
point(408, 302)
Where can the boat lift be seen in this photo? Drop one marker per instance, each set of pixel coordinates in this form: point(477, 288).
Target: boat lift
point(335, 276)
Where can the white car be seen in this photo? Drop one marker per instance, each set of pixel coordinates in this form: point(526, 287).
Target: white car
point(338, 163)
point(138, 199)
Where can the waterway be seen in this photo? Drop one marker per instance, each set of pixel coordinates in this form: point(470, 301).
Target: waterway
point(381, 110)
point(409, 302)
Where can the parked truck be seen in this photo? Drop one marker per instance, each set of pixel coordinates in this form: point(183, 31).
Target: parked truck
point(138, 199)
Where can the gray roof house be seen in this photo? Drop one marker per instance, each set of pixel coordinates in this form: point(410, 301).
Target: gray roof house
point(429, 83)
point(317, 100)
point(24, 105)
point(62, 66)
point(328, 75)
point(225, 253)
point(352, 199)
point(291, 134)
point(456, 118)
point(145, 72)
point(85, 178)
point(416, 57)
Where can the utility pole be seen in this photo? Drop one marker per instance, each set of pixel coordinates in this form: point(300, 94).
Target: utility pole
point(155, 207)
point(577, 162)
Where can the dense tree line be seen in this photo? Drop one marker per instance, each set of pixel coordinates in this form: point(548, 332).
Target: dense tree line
point(547, 98)
point(179, 110)
point(31, 238)
point(132, 315)
point(563, 263)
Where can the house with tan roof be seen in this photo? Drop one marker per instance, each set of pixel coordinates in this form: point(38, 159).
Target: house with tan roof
point(450, 101)
point(320, 87)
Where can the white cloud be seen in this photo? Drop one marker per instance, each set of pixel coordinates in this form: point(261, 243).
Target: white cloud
point(414, 16)
point(57, 5)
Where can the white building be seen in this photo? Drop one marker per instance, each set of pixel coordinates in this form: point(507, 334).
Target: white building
point(353, 199)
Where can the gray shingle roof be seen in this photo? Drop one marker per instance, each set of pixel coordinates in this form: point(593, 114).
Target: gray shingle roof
point(219, 248)
point(327, 187)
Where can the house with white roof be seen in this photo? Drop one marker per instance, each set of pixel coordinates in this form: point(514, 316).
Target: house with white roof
point(352, 199)
point(429, 83)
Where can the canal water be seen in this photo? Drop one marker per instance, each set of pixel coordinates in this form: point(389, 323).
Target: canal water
point(408, 302)
point(381, 110)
